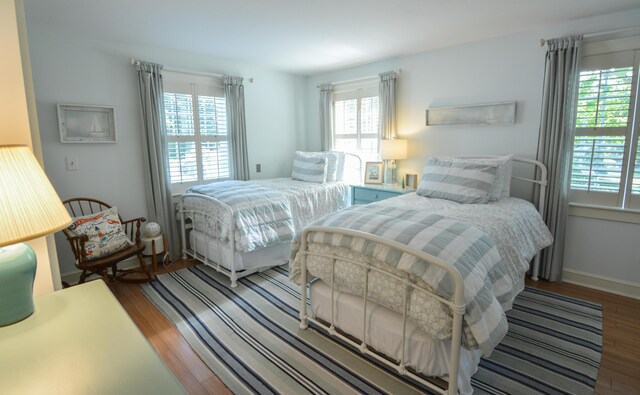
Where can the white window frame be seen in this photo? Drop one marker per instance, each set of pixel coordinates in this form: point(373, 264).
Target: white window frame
point(603, 55)
point(356, 91)
point(194, 85)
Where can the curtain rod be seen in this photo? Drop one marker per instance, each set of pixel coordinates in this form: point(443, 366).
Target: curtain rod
point(359, 79)
point(137, 62)
point(544, 41)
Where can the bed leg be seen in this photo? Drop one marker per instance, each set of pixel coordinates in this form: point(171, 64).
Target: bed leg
point(536, 267)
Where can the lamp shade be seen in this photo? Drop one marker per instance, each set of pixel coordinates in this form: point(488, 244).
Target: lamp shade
point(393, 149)
point(29, 206)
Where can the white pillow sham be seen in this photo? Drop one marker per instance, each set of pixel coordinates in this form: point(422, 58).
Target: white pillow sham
point(459, 181)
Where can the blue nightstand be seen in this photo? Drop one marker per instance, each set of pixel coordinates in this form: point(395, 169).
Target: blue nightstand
point(363, 194)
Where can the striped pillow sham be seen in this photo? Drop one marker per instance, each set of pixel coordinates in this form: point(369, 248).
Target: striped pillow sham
point(502, 184)
point(459, 181)
point(309, 167)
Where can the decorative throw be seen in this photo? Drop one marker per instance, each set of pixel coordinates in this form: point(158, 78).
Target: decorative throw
point(104, 231)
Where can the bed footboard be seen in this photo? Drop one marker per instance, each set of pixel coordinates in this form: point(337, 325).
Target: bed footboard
point(221, 219)
point(457, 304)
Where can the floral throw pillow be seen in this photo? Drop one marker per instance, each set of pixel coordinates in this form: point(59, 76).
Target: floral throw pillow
point(104, 231)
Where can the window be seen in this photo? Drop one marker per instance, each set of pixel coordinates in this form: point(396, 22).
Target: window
point(356, 118)
point(196, 125)
point(606, 159)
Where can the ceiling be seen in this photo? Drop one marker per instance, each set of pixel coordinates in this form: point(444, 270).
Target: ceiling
point(307, 36)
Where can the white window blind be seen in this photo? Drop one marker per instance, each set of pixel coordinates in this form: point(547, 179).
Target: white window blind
point(196, 126)
point(605, 167)
point(356, 118)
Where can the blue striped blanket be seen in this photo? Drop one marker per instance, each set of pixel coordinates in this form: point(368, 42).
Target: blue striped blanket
point(470, 250)
point(262, 215)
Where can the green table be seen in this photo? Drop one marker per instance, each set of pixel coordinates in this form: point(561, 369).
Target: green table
point(80, 341)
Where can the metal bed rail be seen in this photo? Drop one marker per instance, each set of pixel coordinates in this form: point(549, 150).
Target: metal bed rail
point(222, 218)
point(456, 304)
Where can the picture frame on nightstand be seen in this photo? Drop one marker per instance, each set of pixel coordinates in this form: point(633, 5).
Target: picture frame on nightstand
point(374, 173)
point(411, 181)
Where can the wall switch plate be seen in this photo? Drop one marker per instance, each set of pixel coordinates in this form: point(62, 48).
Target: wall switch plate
point(72, 163)
point(258, 168)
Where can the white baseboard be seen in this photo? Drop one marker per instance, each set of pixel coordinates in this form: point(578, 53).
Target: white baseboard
point(74, 276)
point(602, 283)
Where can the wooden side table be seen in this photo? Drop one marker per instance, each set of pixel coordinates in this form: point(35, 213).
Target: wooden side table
point(166, 257)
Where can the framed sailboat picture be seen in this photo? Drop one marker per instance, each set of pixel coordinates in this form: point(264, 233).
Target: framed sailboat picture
point(86, 124)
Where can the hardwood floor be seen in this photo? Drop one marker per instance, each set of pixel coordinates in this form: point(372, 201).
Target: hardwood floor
point(620, 364)
point(195, 376)
point(619, 370)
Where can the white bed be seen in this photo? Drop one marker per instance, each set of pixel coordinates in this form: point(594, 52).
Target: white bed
point(251, 228)
point(208, 222)
point(432, 348)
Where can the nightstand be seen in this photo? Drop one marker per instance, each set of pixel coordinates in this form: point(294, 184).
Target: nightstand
point(363, 194)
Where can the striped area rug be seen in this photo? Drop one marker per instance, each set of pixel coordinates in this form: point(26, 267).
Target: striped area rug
point(250, 337)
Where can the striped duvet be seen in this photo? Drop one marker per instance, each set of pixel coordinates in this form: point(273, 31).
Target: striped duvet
point(488, 286)
point(262, 215)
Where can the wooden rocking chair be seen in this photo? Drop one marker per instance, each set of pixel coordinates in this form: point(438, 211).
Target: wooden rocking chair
point(84, 206)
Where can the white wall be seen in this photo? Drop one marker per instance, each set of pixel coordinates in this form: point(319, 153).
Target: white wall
point(15, 127)
point(70, 69)
point(503, 69)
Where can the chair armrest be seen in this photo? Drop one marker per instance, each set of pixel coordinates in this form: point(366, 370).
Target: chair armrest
point(128, 226)
point(77, 246)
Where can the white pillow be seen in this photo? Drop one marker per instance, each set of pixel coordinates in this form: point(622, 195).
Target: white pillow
point(342, 158)
point(104, 231)
point(459, 181)
point(502, 185)
point(332, 166)
point(309, 167)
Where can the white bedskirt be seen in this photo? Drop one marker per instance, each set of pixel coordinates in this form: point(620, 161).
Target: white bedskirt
point(219, 252)
point(384, 327)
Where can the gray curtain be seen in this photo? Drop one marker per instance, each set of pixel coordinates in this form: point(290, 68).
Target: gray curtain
point(557, 131)
point(388, 112)
point(234, 94)
point(326, 116)
point(155, 152)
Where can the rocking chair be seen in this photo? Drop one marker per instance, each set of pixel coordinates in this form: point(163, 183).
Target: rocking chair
point(84, 206)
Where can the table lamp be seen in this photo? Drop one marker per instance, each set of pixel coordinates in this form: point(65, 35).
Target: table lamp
point(29, 208)
point(392, 150)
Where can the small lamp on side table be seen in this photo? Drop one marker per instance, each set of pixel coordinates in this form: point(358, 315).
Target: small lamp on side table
point(392, 150)
point(29, 208)
point(155, 243)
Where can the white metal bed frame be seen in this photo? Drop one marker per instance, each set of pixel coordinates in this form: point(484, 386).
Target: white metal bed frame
point(226, 219)
point(456, 304)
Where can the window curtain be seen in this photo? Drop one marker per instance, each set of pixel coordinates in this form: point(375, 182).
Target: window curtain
point(234, 94)
point(388, 113)
point(326, 116)
point(155, 151)
point(557, 131)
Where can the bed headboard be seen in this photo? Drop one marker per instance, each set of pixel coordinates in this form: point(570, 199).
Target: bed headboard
point(356, 177)
point(539, 179)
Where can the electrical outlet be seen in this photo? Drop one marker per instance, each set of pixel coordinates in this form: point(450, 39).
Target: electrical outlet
point(72, 163)
point(258, 168)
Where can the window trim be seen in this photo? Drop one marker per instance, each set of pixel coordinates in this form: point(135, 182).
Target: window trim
point(623, 200)
point(195, 85)
point(356, 90)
